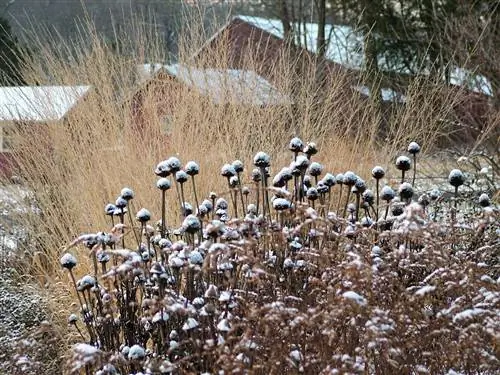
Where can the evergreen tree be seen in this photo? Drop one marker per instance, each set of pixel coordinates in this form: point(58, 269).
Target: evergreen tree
point(10, 56)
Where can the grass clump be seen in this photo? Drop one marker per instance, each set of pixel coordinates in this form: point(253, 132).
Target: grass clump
point(292, 283)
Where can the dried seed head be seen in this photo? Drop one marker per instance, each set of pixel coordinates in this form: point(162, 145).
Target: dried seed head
point(208, 204)
point(162, 169)
point(72, 319)
point(121, 202)
point(136, 352)
point(102, 256)
point(434, 194)
point(302, 163)
point(405, 190)
point(245, 190)
point(127, 193)
point(281, 204)
point(329, 179)
point(174, 164)
point(322, 188)
point(315, 169)
point(163, 184)
point(413, 148)
point(191, 224)
point(238, 166)
point(350, 178)
point(360, 185)
point(261, 160)
point(68, 261)
point(279, 181)
point(378, 172)
point(181, 176)
point(187, 209)
point(296, 145)
point(86, 282)
point(286, 173)
point(228, 171)
point(368, 197)
point(310, 149)
point(256, 175)
point(456, 178)
point(484, 200)
point(424, 200)
point(110, 209)
point(233, 181)
point(221, 204)
point(212, 195)
point(387, 194)
point(143, 215)
point(339, 178)
point(397, 209)
point(191, 168)
point(312, 194)
point(403, 163)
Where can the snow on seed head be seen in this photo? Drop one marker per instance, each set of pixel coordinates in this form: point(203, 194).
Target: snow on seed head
point(86, 282)
point(397, 209)
point(350, 178)
point(143, 215)
point(424, 200)
point(339, 178)
point(315, 169)
point(296, 145)
point(72, 319)
point(174, 164)
point(261, 160)
point(245, 190)
point(378, 172)
point(127, 193)
point(302, 163)
point(208, 204)
point(136, 352)
point(121, 202)
point(310, 149)
point(68, 261)
point(456, 178)
point(403, 163)
point(163, 184)
point(368, 196)
point(434, 194)
point(238, 166)
point(322, 188)
point(278, 180)
point(102, 256)
point(252, 209)
point(109, 209)
point(221, 204)
point(187, 208)
point(360, 185)
point(192, 168)
point(286, 173)
point(312, 194)
point(191, 224)
point(484, 200)
point(413, 148)
point(233, 181)
point(228, 171)
point(281, 204)
point(387, 194)
point(307, 181)
point(163, 169)
point(181, 176)
point(195, 257)
point(329, 179)
point(256, 175)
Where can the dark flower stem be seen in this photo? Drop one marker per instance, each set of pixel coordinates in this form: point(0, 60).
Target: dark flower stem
point(194, 192)
point(414, 169)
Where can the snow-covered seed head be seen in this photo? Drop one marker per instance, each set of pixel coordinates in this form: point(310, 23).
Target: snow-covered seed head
point(252, 209)
point(312, 194)
point(72, 319)
point(387, 194)
point(208, 204)
point(162, 169)
point(181, 176)
point(456, 178)
point(261, 160)
point(143, 215)
point(256, 176)
point(212, 195)
point(245, 190)
point(202, 210)
point(368, 196)
point(233, 181)
point(238, 166)
point(136, 352)
point(403, 163)
point(350, 178)
point(68, 261)
point(121, 202)
point(302, 163)
point(434, 194)
point(424, 200)
point(127, 193)
point(102, 257)
point(110, 209)
point(360, 185)
point(413, 148)
point(405, 190)
point(279, 181)
point(315, 169)
point(286, 173)
point(397, 209)
point(192, 168)
point(228, 171)
point(484, 200)
point(310, 149)
point(296, 145)
point(187, 208)
point(329, 179)
point(378, 172)
point(191, 224)
point(221, 204)
point(322, 188)
point(163, 184)
point(281, 204)
point(307, 181)
point(86, 282)
point(339, 178)
point(174, 164)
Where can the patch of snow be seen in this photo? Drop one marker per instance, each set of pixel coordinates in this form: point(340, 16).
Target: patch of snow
point(355, 297)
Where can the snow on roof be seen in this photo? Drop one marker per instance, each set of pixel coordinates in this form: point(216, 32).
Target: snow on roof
point(345, 47)
point(388, 95)
point(226, 85)
point(38, 103)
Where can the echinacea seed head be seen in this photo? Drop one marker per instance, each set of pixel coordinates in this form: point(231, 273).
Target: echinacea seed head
point(378, 172)
point(311, 149)
point(312, 194)
point(360, 185)
point(307, 181)
point(162, 169)
point(368, 196)
point(238, 166)
point(127, 193)
point(484, 200)
point(456, 178)
point(192, 168)
point(68, 261)
point(110, 209)
point(329, 179)
point(208, 204)
point(261, 160)
point(143, 215)
point(191, 224)
point(403, 163)
point(296, 145)
point(136, 352)
point(102, 256)
point(302, 163)
point(163, 184)
point(424, 200)
point(181, 176)
point(245, 190)
point(339, 178)
point(212, 195)
point(86, 282)
point(174, 164)
point(405, 190)
point(350, 178)
point(286, 173)
point(233, 181)
point(187, 208)
point(315, 169)
point(322, 188)
point(281, 204)
point(256, 175)
point(387, 194)
point(221, 204)
point(434, 194)
point(413, 148)
point(397, 209)
point(121, 202)
point(228, 171)
point(279, 181)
